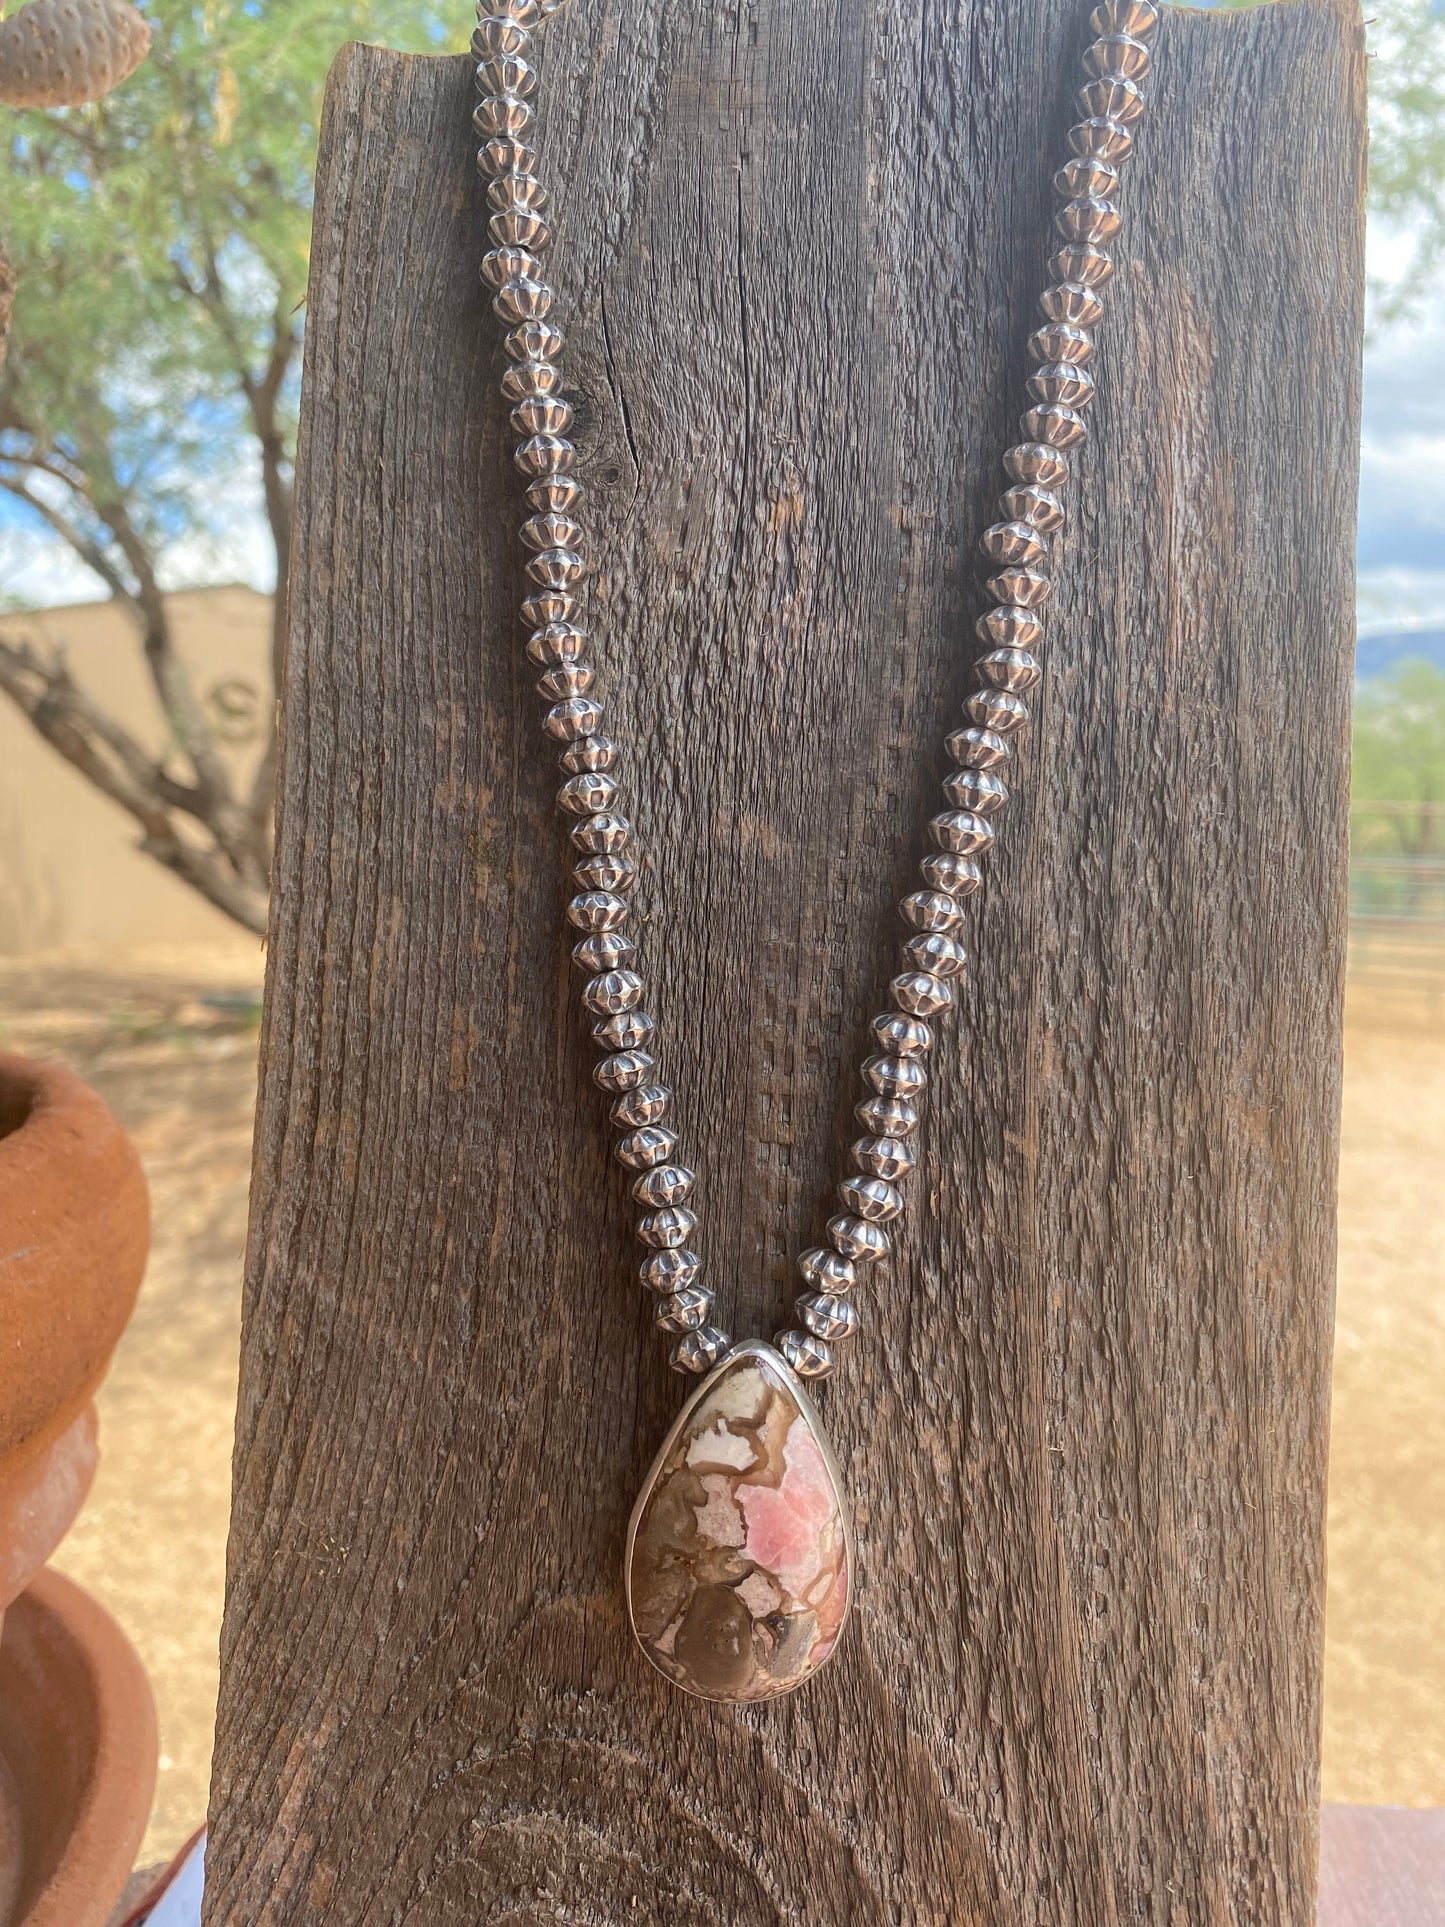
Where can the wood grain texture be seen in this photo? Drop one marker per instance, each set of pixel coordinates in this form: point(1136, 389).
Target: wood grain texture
point(1085, 1431)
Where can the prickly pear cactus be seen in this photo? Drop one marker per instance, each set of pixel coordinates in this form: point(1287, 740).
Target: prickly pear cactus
point(58, 53)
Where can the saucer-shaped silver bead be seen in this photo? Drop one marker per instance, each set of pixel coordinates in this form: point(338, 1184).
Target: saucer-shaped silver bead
point(1086, 175)
point(883, 1157)
point(1085, 262)
point(604, 950)
point(667, 1271)
point(975, 789)
point(604, 831)
point(1139, 17)
point(936, 953)
point(542, 415)
point(665, 1184)
point(597, 910)
point(1109, 140)
point(500, 265)
point(508, 73)
point(526, 13)
point(872, 1198)
point(611, 991)
point(895, 1076)
point(504, 154)
point(503, 115)
point(624, 1070)
point(496, 34)
point(643, 1150)
point(534, 340)
point(545, 455)
point(885, 1117)
point(998, 709)
point(931, 910)
point(1039, 507)
point(587, 793)
point(1071, 304)
point(699, 1351)
point(979, 748)
point(1013, 542)
point(1121, 100)
point(957, 876)
point(1088, 220)
point(558, 493)
point(556, 568)
point(591, 753)
point(1064, 382)
point(523, 298)
point(578, 716)
point(1010, 669)
point(858, 1238)
point(567, 679)
point(962, 832)
point(899, 1035)
point(827, 1316)
point(1059, 426)
point(685, 1310)
point(1036, 462)
point(920, 993)
point(809, 1357)
point(668, 1229)
point(1059, 342)
point(823, 1269)
point(625, 1030)
point(1117, 56)
point(514, 193)
point(1006, 623)
point(551, 531)
point(1027, 587)
point(525, 378)
point(521, 228)
point(613, 871)
point(645, 1105)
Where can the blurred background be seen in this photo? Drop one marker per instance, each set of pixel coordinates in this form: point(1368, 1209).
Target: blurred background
point(154, 250)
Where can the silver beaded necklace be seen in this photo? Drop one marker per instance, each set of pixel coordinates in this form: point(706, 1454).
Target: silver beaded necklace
point(739, 1561)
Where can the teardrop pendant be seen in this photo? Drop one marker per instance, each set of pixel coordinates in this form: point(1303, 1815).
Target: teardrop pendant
point(739, 1553)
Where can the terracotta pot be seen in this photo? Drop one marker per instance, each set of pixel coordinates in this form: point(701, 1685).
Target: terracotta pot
point(77, 1726)
point(77, 1758)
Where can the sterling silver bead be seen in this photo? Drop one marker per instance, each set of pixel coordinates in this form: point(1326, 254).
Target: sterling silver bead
point(613, 871)
point(502, 115)
point(1088, 220)
point(517, 193)
point(587, 792)
point(1085, 262)
point(1072, 305)
point(556, 642)
point(604, 950)
point(1057, 425)
point(578, 716)
point(809, 1357)
point(859, 1239)
point(567, 679)
point(936, 953)
point(590, 753)
point(550, 530)
point(668, 1229)
point(526, 378)
point(510, 73)
point(1010, 625)
point(667, 1271)
point(1063, 382)
point(1121, 100)
point(503, 154)
point(645, 1105)
point(827, 1316)
point(1027, 502)
point(524, 297)
point(883, 1157)
point(556, 568)
point(955, 876)
point(1013, 542)
point(545, 455)
point(624, 1070)
point(1139, 17)
point(627, 1030)
point(885, 1117)
point(978, 748)
point(825, 1270)
point(1109, 140)
point(597, 910)
point(665, 1184)
point(920, 993)
point(643, 1150)
point(542, 415)
point(1083, 176)
point(526, 13)
point(500, 265)
point(1058, 342)
point(1009, 669)
point(1036, 462)
point(687, 1310)
point(520, 227)
point(699, 1351)
point(610, 992)
point(872, 1198)
point(534, 341)
point(997, 709)
point(1117, 56)
point(899, 1035)
point(895, 1076)
point(604, 831)
point(961, 832)
point(931, 910)
point(1027, 587)
point(976, 789)
point(553, 493)
point(496, 34)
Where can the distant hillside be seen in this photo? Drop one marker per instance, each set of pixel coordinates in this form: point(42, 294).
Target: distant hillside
point(1375, 654)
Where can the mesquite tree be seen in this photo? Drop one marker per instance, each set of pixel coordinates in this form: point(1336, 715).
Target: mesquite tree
point(159, 244)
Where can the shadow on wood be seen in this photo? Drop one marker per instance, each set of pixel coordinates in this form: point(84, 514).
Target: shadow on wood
point(1085, 1429)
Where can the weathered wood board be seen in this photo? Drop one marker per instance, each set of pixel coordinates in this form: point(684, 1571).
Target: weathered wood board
point(1085, 1430)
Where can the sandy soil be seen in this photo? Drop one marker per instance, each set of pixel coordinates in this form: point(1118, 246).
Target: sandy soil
point(179, 1071)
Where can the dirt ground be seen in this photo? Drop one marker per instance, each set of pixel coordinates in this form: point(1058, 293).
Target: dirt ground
point(172, 1048)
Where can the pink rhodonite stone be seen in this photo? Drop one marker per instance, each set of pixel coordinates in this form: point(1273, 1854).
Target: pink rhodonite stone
point(738, 1577)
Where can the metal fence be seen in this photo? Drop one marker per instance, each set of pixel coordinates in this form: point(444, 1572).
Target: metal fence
point(1397, 899)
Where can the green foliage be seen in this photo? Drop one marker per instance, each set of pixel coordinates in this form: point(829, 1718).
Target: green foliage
point(1399, 762)
point(160, 241)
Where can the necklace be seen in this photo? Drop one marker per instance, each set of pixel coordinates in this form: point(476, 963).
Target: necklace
point(739, 1558)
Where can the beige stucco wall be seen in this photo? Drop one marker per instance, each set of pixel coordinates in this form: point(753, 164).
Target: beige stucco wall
point(72, 877)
